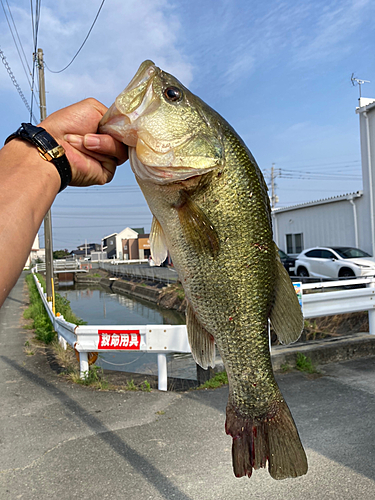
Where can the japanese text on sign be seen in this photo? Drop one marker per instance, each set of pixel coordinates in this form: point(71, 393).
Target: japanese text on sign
point(119, 339)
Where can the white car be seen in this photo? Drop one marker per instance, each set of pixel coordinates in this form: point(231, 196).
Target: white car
point(334, 262)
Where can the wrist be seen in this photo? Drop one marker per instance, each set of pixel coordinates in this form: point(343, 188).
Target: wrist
point(48, 148)
point(22, 163)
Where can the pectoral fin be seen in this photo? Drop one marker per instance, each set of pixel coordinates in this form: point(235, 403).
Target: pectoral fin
point(196, 226)
point(202, 343)
point(158, 244)
point(286, 316)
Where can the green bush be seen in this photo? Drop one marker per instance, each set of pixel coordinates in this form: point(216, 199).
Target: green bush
point(36, 311)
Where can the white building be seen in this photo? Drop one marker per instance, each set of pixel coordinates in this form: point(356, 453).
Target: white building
point(36, 253)
point(346, 220)
point(112, 244)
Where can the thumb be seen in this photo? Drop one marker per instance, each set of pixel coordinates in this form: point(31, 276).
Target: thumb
point(106, 145)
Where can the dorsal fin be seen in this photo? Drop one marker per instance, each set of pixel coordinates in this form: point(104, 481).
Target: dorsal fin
point(286, 315)
point(158, 244)
point(201, 342)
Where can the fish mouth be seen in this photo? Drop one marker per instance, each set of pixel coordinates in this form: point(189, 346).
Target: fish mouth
point(153, 159)
point(119, 120)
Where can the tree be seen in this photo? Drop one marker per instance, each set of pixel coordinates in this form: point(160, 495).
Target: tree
point(60, 254)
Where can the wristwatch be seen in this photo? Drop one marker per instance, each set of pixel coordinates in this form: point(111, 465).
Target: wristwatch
point(48, 149)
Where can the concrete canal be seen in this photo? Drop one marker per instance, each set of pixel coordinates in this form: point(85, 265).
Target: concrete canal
point(99, 305)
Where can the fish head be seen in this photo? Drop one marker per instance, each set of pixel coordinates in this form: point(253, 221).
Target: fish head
point(172, 135)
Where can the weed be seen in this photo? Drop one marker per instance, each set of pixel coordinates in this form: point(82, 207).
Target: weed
point(304, 364)
point(160, 412)
point(285, 368)
point(94, 377)
point(218, 380)
point(36, 311)
point(65, 357)
point(130, 386)
point(145, 386)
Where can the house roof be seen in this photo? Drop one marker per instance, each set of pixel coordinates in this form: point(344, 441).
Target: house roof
point(323, 201)
point(105, 237)
point(365, 104)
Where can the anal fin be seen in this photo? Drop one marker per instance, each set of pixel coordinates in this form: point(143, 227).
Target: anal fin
point(286, 315)
point(201, 342)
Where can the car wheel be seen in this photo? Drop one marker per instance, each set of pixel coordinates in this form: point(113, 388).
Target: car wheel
point(302, 272)
point(346, 273)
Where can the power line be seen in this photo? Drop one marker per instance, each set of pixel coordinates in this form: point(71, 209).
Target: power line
point(14, 40)
point(15, 83)
point(83, 43)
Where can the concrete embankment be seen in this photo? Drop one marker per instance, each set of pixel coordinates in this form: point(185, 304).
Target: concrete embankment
point(168, 296)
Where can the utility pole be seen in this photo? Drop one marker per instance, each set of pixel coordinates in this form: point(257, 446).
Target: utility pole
point(274, 198)
point(48, 247)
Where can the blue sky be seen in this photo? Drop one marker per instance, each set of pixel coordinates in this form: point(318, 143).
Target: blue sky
point(278, 71)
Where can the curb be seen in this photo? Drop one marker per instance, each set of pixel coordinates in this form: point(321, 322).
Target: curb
point(332, 350)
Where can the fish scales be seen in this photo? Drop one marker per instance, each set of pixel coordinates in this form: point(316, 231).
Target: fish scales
point(237, 297)
point(211, 210)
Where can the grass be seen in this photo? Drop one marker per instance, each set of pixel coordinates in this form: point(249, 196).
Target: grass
point(218, 380)
point(94, 378)
point(304, 364)
point(37, 313)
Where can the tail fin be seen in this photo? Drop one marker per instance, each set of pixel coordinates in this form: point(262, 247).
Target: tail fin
point(274, 439)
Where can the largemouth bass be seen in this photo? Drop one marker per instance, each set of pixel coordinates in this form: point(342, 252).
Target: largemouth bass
point(211, 211)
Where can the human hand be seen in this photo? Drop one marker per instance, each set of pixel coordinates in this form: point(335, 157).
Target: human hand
point(93, 157)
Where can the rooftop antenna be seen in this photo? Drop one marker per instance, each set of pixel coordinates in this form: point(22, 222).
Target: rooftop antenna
point(357, 81)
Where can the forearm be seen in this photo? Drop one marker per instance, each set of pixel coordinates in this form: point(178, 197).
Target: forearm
point(29, 185)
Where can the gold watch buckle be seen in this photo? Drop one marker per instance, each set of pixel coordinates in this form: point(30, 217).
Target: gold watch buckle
point(52, 154)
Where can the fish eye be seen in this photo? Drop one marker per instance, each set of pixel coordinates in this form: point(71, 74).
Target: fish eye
point(173, 94)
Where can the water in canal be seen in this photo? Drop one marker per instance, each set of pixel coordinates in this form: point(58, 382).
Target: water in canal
point(100, 306)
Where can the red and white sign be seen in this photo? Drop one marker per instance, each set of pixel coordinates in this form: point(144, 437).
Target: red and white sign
point(119, 339)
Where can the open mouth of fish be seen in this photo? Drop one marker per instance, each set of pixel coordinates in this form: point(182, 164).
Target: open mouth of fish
point(151, 159)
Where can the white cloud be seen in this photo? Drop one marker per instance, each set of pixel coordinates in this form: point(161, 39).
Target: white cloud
point(125, 34)
point(329, 36)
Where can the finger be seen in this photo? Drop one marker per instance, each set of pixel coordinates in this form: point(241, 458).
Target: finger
point(107, 145)
point(77, 142)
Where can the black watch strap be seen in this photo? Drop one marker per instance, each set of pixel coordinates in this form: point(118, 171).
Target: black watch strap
point(48, 149)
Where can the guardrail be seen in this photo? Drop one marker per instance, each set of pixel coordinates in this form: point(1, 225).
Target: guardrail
point(161, 274)
point(349, 300)
point(165, 339)
point(61, 265)
point(156, 339)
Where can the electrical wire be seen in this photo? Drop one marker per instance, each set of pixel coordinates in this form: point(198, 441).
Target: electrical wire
point(83, 43)
point(15, 83)
point(22, 59)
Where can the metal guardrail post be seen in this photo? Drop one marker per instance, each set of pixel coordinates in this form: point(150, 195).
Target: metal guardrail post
point(83, 365)
point(162, 372)
point(371, 314)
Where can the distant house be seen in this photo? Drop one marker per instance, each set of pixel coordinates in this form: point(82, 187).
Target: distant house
point(85, 250)
point(90, 247)
point(123, 245)
point(346, 220)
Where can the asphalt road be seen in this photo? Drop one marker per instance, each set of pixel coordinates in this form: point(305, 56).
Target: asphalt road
point(67, 442)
